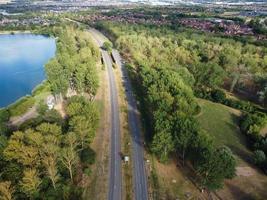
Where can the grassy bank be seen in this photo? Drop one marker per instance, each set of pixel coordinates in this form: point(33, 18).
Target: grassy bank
point(22, 105)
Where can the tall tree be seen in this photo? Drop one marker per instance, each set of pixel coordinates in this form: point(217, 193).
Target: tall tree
point(69, 155)
point(185, 130)
point(215, 167)
point(162, 145)
point(83, 128)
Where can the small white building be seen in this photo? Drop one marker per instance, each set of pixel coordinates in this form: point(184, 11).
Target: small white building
point(50, 101)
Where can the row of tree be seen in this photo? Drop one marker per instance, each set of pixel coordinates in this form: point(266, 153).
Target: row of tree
point(73, 68)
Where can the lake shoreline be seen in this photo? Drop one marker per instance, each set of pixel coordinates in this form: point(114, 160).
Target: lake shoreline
point(14, 32)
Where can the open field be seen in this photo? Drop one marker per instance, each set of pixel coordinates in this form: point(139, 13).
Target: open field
point(222, 123)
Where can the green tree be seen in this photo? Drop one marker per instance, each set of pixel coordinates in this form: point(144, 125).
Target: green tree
point(83, 128)
point(162, 145)
point(215, 167)
point(107, 46)
point(259, 158)
point(69, 153)
point(185, 129)
point(16, 149)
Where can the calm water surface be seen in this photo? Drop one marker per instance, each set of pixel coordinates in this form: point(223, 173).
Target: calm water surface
point(22, 60)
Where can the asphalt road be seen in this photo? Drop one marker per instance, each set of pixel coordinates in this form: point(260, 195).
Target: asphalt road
point(139, 171)
point(115, 183)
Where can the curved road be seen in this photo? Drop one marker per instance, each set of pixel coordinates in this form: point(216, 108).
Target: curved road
point(139, 171)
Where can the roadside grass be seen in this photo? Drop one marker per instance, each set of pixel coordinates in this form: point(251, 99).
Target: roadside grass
point(221, 122)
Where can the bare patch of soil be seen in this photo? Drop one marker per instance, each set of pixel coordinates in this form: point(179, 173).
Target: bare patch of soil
point(245, 171)
point(60, 108)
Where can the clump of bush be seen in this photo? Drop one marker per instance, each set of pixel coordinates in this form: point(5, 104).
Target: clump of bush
point(87, 156)
point(219, 96)
point(251, 125)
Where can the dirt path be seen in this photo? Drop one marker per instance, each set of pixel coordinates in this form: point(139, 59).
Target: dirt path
point(31, 113)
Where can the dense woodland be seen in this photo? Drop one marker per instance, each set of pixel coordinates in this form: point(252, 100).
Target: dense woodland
point(47, 157)
point(173, 66)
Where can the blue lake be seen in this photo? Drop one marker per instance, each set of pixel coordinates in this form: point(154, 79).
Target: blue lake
point(22, 60)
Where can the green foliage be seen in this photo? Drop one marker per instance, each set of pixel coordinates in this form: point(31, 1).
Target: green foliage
point(43, 87)
point(252, 123)
point(107, 46)
point(84, 119)
point(215, 166)
point(4, 115)
point(162, 145)
point(208, 74)
point(257, 26)
point(30, 182)
point(42, 108)
point(212, 60)
point(88, 156)
point(87, 171)
point(217, 95)
point(259, 158)
point(4, 118)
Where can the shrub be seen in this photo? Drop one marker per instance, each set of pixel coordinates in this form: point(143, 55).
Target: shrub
point(259, 158)
point(88, 156)
point(42, 108)
point(218, 95)
point(252, 123)
point(4, 115)
point(87, 171)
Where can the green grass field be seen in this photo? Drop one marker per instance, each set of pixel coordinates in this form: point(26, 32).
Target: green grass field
point(221, 122)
